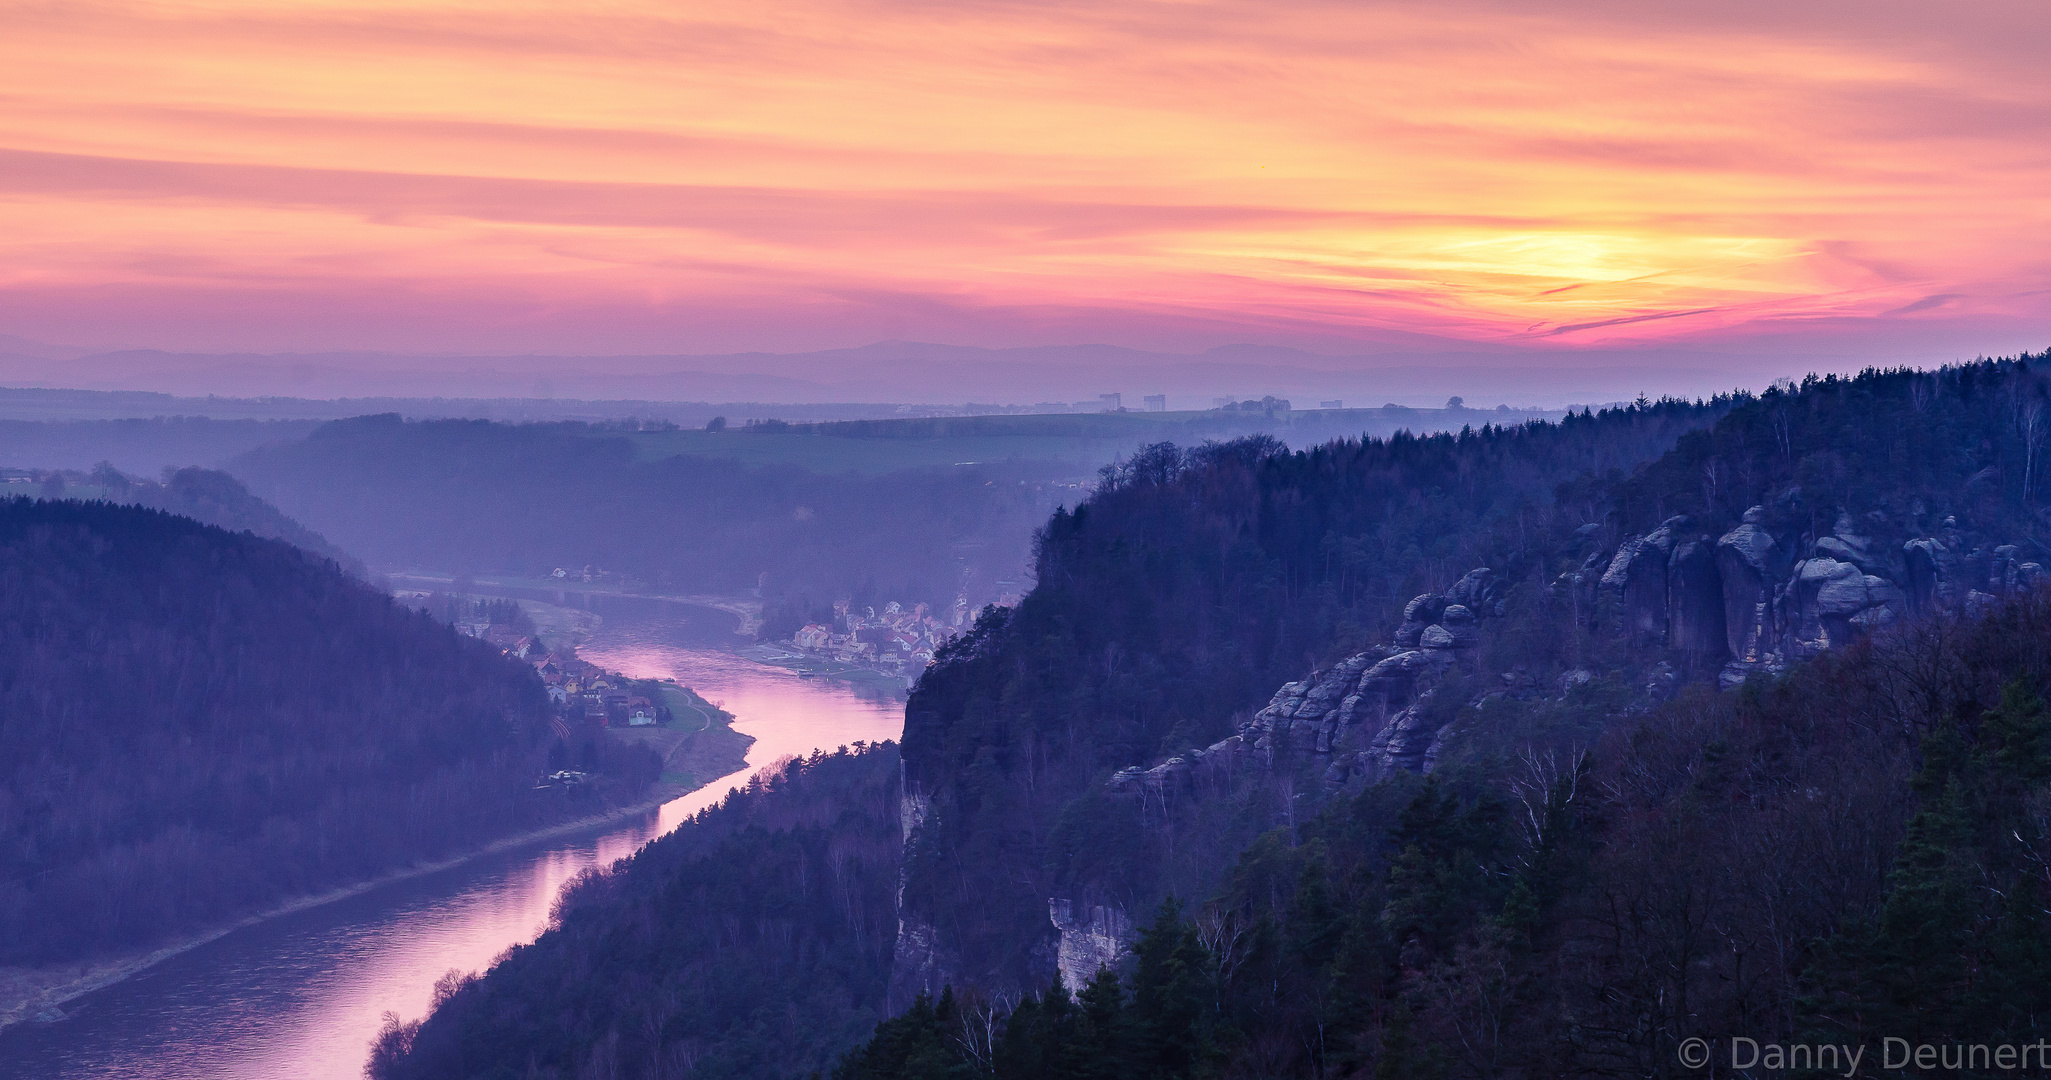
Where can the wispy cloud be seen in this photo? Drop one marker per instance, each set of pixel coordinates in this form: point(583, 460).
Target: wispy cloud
point(1594, 172)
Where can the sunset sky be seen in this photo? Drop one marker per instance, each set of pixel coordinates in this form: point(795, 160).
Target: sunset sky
point(613, 176)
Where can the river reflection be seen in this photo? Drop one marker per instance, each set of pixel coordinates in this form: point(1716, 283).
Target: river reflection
point(300, 996)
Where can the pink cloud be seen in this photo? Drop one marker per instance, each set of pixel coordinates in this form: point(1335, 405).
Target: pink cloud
point(804, 174)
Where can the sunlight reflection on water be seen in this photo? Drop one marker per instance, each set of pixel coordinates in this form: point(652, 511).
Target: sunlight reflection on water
point(302, 995)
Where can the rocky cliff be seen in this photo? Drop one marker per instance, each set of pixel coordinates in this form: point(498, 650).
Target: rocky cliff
point(1364, 715)
point(1753, 597)
point(1765, 593)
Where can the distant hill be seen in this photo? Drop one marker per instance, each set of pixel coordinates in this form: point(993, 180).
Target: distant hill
point(477, 496)
point(139, 446)
point(214, 497)
point(208, 496)
point(199, 724)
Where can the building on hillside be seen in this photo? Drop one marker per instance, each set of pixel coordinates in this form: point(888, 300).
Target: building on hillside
point(512, 641)
point(813, 636)
point(1156, 402)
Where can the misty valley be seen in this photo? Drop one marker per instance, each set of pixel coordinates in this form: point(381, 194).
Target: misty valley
point(1135, 540)
point(1200, 744)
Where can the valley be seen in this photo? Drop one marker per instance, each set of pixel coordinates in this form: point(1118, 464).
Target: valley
point(806, 540)
point(301, 992)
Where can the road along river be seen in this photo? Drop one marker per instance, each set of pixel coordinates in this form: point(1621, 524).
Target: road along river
point(298, 997)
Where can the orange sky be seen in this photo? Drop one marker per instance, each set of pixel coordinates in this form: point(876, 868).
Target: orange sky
point(621, 176)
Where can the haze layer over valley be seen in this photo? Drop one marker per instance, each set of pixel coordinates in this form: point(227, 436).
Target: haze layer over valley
point(1457, 540)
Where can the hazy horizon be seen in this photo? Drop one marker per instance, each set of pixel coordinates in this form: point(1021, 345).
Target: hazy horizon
point(1396, 200)
point(928, 373)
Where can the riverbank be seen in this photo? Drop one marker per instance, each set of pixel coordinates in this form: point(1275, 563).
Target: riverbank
point(779, 656)
point(747, 609)
point(38, 994)
point(699, 743)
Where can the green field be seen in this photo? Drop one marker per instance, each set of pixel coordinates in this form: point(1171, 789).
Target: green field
point(691, 712)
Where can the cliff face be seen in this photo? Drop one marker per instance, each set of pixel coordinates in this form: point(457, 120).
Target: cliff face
point(1767, 593)
point(1755, 597)
point(1113, 738)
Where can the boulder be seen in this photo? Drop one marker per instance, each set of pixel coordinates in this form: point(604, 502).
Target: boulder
point(1849, 545)
point(1418, 614)
point(1864, 554)
point(2005, 574)
point(1631, 597)
point(1460, 623)
point(1828, 599)
point(1479, 590)
point(1752, 563)
point(1436, 637)
point(1389, 685)
point(1404, 743)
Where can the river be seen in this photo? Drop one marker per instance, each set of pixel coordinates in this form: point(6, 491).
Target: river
point(299, 997)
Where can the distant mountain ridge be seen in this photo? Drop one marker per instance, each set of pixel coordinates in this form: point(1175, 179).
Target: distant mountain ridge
point(1414, 373)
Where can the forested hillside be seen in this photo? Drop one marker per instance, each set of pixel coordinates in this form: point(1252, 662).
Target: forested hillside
point(199, 724)
point(1182, 755)
point(1852, 852)
point(1173, 603)
point(1815, 506)
point(752, 941)
point(471, 495)
point(204, 495)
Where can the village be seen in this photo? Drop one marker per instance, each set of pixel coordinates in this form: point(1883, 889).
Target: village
point(593, 706)
point(585, 695)
point(898, 640)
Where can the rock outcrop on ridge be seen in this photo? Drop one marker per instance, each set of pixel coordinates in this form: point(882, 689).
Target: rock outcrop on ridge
point(1761, 596)
point(1754, 597)
point(1364, 714)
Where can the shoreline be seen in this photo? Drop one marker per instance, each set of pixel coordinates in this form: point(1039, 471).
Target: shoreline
point(747, 609)
point(819, 667)
point(27, 995)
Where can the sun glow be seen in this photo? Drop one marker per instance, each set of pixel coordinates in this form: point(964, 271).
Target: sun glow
point(1471, 171)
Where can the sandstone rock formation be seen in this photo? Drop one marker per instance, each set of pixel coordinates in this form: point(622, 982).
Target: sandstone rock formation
point(1762, 595)
point(1361, 715)
point(1091, 938)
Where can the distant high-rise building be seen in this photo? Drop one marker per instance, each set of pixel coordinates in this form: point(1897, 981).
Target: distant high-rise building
point(1112, 402)
point(1333, 404)
point(1156, 402)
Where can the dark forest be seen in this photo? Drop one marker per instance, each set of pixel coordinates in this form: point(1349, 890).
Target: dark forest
point(201, 724)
